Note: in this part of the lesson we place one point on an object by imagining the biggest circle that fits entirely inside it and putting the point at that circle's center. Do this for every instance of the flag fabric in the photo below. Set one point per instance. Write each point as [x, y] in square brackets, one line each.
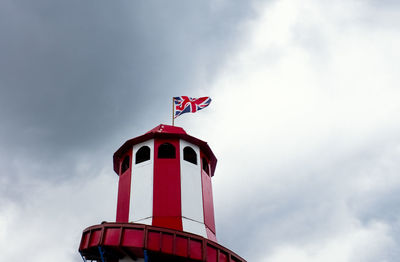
[184, 104]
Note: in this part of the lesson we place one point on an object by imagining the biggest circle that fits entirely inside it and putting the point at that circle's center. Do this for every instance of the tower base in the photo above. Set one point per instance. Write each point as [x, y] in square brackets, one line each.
[126, 242]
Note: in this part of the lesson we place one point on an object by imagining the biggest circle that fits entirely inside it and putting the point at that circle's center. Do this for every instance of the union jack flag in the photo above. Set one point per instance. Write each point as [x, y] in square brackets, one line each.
[184, 104]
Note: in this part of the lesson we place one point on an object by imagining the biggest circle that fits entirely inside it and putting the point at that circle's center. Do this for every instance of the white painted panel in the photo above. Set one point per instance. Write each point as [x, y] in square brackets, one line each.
[191, 191]
[146, 221]
[141, 206]
[194, 227]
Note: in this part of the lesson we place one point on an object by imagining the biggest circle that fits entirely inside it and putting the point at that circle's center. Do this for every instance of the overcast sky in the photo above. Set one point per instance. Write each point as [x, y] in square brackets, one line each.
[305, 119]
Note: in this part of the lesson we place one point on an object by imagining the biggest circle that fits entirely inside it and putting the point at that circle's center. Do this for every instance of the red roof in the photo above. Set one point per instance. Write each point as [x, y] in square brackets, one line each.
[165, 131]
[168, 129]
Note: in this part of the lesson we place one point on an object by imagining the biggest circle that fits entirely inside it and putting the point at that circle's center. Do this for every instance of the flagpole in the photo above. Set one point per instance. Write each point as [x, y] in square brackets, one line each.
[173, 111]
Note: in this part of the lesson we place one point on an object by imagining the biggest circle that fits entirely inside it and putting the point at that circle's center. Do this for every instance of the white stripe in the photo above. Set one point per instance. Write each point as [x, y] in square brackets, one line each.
[191, 193]
[194, 227]
[141, 202]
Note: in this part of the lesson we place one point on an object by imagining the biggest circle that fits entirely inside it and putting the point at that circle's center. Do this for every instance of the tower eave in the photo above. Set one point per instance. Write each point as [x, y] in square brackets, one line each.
[165, 131]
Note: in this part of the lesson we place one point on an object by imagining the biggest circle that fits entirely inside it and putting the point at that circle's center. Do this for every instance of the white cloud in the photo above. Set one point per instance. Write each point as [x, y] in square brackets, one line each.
[48, 224]
[358, 244]
[305, 127]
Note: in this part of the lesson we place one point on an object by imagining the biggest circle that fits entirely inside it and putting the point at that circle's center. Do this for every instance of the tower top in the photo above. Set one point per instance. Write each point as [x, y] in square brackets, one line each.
[165, 209]
[165, 131]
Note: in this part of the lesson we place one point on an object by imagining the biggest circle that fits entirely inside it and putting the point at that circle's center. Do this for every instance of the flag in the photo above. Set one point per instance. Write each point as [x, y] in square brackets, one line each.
[184, 104]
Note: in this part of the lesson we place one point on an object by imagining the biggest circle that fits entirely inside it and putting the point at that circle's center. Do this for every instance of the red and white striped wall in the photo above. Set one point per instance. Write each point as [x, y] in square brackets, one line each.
[171, 191]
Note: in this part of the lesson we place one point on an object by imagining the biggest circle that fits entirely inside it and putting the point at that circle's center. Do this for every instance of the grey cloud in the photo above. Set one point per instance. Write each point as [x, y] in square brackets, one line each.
[78, 72]
[78, 78]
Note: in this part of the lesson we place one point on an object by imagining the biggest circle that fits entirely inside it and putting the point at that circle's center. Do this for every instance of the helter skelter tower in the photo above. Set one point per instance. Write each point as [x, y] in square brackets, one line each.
[165, 206]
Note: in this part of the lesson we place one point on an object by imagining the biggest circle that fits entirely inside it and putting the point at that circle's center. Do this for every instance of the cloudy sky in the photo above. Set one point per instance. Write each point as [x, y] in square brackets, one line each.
[305, 119]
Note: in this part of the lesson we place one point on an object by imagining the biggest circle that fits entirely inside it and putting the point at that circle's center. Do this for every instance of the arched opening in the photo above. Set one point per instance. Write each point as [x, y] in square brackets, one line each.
[166, 150]
[205, 165]
[125, 164]
[190, 155]
[142, 155]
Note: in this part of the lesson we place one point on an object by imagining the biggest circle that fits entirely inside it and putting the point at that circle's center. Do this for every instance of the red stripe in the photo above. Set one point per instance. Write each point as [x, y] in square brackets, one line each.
[167, 210]
[211, 235]
[124, 191]
[208, 204]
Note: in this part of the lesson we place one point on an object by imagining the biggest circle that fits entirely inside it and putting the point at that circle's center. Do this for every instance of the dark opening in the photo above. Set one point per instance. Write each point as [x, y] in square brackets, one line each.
[190, 155]
[125, 164]
[143, 154]
[166, 150]
[205, 166]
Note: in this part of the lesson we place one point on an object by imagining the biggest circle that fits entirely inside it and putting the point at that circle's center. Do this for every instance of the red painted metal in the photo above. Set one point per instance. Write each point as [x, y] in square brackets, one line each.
[124, 191]
[208, 205]
[211, 235]
[165, 132]
[167, 210]
[129, 239]
[164, 240]
[167, 129]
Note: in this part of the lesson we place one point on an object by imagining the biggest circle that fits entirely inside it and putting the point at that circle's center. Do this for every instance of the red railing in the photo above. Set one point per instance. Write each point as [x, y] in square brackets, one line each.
[129, 239]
